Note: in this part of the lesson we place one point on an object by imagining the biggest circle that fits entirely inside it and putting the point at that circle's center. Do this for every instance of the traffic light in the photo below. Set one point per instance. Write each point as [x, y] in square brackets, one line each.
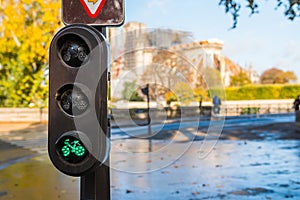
[145, 90]
[78, 140]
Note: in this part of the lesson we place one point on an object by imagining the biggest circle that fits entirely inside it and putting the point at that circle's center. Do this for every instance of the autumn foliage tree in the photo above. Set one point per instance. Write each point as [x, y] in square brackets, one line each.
[167, 70]
[277, 76]
[26, 30]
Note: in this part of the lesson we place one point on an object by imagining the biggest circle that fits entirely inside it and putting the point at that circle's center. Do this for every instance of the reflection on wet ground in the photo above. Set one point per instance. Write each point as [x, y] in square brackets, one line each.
[36, 179]
[233, 170]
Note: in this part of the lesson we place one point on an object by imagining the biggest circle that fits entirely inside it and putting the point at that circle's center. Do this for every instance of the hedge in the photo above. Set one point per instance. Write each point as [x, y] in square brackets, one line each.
[255, 92]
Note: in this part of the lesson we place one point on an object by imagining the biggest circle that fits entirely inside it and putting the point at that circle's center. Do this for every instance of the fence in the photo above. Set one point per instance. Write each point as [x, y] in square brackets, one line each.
[229, 108]
[257, 107]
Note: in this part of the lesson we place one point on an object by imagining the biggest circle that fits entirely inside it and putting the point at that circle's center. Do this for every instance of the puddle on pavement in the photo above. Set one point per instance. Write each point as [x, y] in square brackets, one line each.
[233, 170]
[36, 179]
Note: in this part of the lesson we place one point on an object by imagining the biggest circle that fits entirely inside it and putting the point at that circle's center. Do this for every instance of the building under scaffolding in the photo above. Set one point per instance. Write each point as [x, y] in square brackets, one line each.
[137, 50]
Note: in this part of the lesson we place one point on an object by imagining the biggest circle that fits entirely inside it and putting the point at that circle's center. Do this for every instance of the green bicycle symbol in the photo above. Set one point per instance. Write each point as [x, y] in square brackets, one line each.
[75, 148]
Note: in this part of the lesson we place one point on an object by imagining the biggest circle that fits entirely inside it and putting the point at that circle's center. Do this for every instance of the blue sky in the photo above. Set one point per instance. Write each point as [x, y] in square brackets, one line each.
[265, 40]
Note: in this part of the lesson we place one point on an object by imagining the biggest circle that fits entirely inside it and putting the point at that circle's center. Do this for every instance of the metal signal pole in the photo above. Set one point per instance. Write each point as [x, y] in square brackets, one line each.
[96, 185]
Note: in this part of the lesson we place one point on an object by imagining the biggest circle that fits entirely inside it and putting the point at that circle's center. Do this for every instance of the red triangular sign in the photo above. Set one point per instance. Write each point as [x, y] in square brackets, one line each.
[93, 7]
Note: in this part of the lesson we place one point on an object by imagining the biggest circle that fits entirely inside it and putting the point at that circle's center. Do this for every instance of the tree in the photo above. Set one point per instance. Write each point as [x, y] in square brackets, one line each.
[211, 78]
[167, 69]
[130, 92]
[240, 79]
[26, 30]
[170, 97]
[184, 93]
[277, 76]
[292, 8]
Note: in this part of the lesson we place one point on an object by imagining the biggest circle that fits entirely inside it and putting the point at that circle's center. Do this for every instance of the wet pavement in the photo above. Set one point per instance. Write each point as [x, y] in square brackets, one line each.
[35, 178]
[233, 170]
[264, 166]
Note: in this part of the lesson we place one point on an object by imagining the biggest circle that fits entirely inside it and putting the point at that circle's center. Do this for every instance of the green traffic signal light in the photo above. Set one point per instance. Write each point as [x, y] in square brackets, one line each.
[71, 149]
[76, 148]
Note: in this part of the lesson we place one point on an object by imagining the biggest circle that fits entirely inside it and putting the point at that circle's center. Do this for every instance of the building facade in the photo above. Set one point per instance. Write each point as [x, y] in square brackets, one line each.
[136, 49]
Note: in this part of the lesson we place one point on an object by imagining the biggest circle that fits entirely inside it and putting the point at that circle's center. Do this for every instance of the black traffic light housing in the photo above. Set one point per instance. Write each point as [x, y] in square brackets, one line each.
[145, 90]
[78, 140]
